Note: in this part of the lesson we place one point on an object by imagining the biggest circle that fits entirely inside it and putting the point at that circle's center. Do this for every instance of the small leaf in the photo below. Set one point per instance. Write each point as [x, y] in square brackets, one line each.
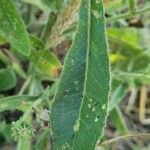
[12, 27]
[35, 87]
[44, 60]
[79, 109]
[7, 79]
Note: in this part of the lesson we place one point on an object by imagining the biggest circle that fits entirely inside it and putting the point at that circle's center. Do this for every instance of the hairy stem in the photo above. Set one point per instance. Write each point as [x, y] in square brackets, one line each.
[64, 20]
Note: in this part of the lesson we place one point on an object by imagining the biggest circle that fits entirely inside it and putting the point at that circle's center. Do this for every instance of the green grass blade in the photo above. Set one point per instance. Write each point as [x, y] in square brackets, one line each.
[119, 121]
[79, 109]
[118, 94]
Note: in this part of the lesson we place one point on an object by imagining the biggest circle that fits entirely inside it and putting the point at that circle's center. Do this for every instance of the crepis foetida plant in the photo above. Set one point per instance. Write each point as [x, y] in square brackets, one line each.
[79, 109]
[55, 74]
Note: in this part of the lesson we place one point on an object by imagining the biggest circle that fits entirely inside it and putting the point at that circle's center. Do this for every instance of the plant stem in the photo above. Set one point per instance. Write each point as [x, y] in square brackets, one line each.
[128, 14]
[29, 14]
[18, 69]
[48, 28]
[4, 58]
[64, 20]
[25, 85]
[125, 137]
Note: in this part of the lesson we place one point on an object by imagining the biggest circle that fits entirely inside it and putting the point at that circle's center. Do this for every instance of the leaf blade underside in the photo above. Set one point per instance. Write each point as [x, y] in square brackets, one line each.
[79, 108]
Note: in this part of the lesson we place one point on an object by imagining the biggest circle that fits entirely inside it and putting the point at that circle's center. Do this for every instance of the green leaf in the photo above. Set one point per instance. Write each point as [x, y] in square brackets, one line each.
[141, 62]
[7, 79]
[36, 43]
[79, 109]
[137, 77]
[35, 87]
[44, 60]
[118, 94]
[116, 115]
[136, 38]
[130, 47]
[12, 27]
[130, 36]
[5, 131]
[16, 102]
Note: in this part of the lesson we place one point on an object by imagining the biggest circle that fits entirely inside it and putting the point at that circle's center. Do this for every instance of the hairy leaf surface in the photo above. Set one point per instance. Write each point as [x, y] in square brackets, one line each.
[79, 109]
[12, 27]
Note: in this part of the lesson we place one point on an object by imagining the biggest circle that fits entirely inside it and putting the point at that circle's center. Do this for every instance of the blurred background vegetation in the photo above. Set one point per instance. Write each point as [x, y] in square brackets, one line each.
[27, 84]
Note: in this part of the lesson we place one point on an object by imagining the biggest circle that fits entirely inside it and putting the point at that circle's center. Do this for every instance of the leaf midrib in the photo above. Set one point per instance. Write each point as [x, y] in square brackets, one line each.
[87, 57]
